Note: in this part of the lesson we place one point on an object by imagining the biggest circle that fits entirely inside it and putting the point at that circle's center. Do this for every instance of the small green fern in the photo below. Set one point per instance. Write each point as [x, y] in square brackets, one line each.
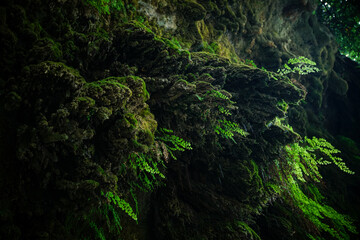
[308, 154]
[121, 203]
[322, 148]
[300, 65]
[172, 142]
[316, 211]
[227, 129]
[302, 162]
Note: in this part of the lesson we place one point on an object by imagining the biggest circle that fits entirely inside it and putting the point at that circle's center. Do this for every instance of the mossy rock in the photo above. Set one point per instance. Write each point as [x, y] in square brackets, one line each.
[45, 49]
[192, 10]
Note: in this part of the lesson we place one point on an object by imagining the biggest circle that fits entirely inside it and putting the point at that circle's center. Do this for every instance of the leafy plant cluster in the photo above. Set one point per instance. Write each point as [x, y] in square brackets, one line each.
[343, 19]
[281, 123]
[142, 171]
[171, 142]
[282, 105]
[121, 203]
[146, 169]
[228, 129]
[300, 65]
[250, 63]
[301, 162]
[323, 216]
[218, 94]
[210, 48]
[309, 153]
[224, 127]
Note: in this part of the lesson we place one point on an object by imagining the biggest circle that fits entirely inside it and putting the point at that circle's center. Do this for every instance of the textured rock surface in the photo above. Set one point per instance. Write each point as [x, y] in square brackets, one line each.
[81, 92]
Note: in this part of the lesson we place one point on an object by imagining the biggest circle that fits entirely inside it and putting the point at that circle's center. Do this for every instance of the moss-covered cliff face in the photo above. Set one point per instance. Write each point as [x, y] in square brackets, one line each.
[150, 120]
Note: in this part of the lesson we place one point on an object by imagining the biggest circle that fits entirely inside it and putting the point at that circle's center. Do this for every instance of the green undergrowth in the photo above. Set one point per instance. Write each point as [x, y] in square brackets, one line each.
[218, 111]
[296, 174]
[227, 129]
[171, 43]
[299, 65]
[141, 173]
[170, 143]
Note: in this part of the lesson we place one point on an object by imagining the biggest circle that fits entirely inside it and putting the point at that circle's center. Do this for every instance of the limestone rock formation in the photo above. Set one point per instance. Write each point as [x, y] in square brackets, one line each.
[97, 110]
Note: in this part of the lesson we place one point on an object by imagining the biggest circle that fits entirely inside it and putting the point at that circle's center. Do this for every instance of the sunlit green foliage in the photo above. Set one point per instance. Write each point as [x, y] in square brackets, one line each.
[311, 237]
[321, 215]
[122, 204]
[300, 65]
[224, 111]
[302, 161]
[282, 105]
[250, 63]
[343, 19]
[309, 153]
[325, 149]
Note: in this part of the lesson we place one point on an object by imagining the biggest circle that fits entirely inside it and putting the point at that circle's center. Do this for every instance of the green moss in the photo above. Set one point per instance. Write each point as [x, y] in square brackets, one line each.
[316, 211]
[116, 81]
[100, 170]
[57, 66]
[46, 49]
[136, 84]
[130, 117]
[70, 50]
[141, 25]
[148, 126]
[315, 91]
[209, 47]
[91, 183]
[88, 100]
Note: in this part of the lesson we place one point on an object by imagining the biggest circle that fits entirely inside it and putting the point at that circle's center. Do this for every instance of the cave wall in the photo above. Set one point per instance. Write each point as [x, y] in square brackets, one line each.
[81, 91]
